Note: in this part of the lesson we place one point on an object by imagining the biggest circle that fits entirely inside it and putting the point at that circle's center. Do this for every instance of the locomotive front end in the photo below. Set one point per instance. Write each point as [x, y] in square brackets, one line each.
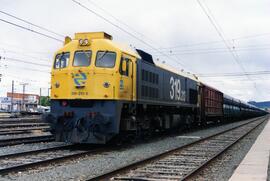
[84, 90]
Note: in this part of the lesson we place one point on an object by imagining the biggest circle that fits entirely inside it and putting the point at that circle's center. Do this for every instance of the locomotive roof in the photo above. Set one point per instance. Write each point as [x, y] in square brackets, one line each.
[93, 37]
[171, 69]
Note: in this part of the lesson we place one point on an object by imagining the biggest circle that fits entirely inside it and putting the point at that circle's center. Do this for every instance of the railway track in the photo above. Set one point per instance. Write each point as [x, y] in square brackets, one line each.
[28, 139]
[16, 126]
[24, 130]
[183, 162]
[23, 119]
[35, 158]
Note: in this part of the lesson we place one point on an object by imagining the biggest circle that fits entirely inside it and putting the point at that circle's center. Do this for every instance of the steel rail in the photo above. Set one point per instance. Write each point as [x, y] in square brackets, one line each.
[45, 162]
[137, 164]
[30, 139]
[203, 165]
[20, 121]
[43, 150]
[23, 130]
[2, 126]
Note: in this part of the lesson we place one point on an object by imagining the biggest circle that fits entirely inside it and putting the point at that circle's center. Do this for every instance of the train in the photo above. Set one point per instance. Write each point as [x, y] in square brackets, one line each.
[102, 90]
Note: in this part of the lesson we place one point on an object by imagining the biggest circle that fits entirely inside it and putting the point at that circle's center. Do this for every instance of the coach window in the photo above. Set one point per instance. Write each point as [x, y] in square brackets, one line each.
[82, 58]
[127, 66]
[105, 59]
[61, 60]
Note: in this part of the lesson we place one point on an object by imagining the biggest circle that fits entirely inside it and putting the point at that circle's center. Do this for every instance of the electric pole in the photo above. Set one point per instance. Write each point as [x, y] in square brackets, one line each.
[39, 96]
[49, 92]
[12, 92]
[23, 96]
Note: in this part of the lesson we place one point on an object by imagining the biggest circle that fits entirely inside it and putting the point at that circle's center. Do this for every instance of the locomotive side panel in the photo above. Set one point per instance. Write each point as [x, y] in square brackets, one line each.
[159, 86]
[149, 82]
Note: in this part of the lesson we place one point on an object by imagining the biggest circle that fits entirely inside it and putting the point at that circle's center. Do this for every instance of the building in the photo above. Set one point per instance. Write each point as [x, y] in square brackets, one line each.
[22, 102]
[5, 103]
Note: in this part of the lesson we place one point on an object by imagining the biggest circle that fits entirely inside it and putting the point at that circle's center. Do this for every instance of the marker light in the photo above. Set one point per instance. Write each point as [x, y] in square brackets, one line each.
[85, 42]
[81, 41]
[64, 103]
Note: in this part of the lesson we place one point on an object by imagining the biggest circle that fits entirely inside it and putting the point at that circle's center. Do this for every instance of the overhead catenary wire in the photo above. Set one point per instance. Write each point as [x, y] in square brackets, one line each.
[222, 48]
[234, 74]
[121, 21]
[126, 31]
[30, 69]
[26, 79]
[117, 19]
[31, 30]
[23, 68]
[24, 54]
[220, 33]
[4, 44]
[217, 51]
[171, 48]
[23, 61]
[30, 23]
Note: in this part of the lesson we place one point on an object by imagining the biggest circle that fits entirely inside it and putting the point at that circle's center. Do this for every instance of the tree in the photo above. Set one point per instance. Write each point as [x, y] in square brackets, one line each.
[45, 101]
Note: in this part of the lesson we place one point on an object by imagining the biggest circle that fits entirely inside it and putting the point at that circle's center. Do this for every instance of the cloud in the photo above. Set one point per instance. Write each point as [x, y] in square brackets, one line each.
[162, 23]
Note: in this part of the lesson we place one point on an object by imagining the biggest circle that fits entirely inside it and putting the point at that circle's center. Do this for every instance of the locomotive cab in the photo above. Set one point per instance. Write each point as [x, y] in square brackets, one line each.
[91, 67]
[92, 77]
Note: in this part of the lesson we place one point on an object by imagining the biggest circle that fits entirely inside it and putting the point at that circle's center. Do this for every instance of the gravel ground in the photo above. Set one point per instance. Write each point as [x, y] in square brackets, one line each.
[222, 168]
[90, 166]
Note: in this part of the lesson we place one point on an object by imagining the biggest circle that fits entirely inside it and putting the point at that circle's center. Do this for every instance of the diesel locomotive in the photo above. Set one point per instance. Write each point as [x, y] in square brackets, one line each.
[101, 90]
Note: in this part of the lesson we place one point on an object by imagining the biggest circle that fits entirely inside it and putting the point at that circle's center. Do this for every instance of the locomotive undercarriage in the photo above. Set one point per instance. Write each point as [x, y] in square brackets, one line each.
[142, 121]
[99, 122]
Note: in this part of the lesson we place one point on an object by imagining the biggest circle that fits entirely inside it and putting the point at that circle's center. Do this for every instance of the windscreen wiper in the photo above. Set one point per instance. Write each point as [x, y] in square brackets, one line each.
[103, 55]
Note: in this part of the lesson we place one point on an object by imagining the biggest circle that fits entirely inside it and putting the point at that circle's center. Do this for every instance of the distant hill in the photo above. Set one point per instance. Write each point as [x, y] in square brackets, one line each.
[265, 104]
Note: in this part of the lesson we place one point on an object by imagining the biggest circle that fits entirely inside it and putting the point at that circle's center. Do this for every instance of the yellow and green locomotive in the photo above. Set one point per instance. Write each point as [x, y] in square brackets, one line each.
[101, 89]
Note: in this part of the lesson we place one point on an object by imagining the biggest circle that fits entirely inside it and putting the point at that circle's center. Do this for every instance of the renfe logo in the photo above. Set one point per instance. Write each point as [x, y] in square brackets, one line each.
[80, 79]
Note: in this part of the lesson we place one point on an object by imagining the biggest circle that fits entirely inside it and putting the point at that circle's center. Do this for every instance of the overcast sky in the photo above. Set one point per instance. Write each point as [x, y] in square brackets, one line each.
[178, 28]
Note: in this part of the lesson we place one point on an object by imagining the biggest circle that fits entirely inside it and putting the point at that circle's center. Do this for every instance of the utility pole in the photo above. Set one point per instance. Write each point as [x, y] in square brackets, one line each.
[23, 97]
[39, 96]
[49, 92]
[12, 92]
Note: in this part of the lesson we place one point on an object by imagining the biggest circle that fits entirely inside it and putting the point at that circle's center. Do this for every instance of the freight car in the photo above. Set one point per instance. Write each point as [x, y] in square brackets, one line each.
[211, 104]
[102, 90]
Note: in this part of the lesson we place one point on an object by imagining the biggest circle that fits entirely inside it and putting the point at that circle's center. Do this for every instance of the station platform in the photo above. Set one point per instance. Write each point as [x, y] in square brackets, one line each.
[255, 164]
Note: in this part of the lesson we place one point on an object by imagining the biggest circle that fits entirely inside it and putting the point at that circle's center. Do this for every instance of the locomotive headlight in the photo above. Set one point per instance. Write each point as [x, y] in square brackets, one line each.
[85, 42]
[81, 42]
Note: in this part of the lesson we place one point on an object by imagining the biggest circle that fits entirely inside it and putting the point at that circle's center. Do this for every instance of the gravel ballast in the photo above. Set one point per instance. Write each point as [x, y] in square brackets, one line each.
[222, 168]
[90, 166]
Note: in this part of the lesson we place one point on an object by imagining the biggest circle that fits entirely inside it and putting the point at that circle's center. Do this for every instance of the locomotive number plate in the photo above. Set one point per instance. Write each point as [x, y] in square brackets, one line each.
[79, 93]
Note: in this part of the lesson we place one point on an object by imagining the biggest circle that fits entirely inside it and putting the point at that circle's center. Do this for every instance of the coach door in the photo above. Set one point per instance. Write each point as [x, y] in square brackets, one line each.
[126, 79]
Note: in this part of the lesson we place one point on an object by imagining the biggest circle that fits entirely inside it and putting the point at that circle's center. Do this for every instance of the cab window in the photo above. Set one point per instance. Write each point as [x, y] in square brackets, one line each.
[105, 59]
[82, 58]
[61, 60]
[127, 69]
